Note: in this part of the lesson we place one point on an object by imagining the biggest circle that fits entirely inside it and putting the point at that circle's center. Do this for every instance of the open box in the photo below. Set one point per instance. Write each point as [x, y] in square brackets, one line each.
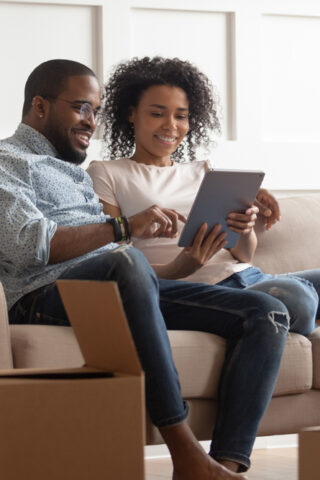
[309, 458]
[82, 423]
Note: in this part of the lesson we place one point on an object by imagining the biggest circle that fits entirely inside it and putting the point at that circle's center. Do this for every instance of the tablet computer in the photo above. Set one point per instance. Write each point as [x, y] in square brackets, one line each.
[220, 193]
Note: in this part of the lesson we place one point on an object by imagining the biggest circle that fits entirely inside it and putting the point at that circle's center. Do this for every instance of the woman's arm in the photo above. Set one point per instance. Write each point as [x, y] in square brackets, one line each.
[190, 259]
[111, 210]
[244, 225]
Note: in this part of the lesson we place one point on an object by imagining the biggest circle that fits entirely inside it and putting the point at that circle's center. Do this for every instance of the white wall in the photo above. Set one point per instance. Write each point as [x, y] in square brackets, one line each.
[261, 54]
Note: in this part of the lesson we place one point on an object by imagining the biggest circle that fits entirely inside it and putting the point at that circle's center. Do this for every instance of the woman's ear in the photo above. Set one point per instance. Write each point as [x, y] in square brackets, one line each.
[131, 115]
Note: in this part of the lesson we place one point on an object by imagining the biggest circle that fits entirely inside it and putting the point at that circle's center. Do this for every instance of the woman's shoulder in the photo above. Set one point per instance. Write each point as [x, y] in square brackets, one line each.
[104, 166]
[197, 163]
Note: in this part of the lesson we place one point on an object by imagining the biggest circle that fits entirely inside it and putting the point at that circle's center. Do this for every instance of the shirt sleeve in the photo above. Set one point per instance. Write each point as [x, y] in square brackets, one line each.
[25, 234]
[104, 183]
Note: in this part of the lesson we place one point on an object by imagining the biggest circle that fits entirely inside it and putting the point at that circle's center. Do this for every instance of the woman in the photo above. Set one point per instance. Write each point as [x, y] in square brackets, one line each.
[156, 112]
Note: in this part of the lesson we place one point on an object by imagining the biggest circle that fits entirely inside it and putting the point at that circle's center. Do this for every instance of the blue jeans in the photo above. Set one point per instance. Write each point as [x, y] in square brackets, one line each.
[299, 291]
[254, 323]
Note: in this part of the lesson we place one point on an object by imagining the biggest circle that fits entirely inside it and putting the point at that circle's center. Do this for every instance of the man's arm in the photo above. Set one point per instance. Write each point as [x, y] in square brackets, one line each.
[71, 242]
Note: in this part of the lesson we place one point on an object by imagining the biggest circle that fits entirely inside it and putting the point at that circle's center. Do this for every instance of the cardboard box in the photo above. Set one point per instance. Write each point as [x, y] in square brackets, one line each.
[84, 423]
[309, 454]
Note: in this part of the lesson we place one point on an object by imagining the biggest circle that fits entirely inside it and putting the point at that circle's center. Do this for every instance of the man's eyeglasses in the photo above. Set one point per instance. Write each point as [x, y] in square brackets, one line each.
[85, 109]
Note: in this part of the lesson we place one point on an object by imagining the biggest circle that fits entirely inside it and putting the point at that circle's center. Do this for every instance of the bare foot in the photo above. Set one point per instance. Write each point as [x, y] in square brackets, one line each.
[205, 469]
[190, 461]
[233, 466]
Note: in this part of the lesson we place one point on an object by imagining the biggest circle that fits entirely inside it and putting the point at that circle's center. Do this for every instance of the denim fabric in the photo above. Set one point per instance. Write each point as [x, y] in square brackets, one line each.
[299, 291]
[311, 276]
[254, 323]
[138, 288]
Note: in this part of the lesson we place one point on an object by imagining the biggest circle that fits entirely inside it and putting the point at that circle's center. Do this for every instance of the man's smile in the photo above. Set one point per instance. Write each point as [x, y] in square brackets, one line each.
[83, 137]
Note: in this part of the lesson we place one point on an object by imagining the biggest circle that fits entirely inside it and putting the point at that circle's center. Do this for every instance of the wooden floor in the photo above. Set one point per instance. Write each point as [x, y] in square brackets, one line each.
[267, 464]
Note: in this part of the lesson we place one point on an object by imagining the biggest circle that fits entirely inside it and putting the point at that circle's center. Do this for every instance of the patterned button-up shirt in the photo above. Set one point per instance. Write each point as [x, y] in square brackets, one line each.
[38, 192]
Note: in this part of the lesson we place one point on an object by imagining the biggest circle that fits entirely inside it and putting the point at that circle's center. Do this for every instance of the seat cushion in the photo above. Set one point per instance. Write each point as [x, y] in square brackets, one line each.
[295, 374]
[199, 358]
[44, 346]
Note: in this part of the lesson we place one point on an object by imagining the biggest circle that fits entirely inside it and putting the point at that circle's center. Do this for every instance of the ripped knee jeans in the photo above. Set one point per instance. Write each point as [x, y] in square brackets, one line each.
[298, 291]
[255, 326]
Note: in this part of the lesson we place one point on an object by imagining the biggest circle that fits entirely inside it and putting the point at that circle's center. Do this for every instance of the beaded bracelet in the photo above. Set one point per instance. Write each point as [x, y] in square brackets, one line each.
[120, 228]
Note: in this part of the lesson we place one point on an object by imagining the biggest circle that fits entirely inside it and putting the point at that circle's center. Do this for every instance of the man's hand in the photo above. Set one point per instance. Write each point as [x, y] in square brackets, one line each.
[155, 222]
[268, 208]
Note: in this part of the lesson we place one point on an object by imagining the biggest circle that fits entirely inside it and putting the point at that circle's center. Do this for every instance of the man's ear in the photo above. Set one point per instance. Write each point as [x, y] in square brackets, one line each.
[39, 106]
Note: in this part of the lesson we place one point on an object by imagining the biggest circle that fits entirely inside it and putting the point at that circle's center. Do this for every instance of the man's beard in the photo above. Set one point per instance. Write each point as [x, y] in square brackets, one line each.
[69, 154]
[64, 148]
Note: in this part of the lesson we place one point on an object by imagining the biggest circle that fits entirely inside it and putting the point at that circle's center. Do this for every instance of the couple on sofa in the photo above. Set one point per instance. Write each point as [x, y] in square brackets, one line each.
[155, 113]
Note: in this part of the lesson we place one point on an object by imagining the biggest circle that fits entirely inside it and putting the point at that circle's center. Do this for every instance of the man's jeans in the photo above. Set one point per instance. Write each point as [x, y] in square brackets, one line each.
[254, 323]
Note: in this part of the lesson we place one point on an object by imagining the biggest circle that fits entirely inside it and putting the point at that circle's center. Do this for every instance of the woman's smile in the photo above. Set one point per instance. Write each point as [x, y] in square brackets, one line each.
[160, 121]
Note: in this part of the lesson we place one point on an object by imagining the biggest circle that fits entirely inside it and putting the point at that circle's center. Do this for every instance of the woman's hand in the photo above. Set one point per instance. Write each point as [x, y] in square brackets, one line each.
[192, 258]
[268, 208]
[243, 223]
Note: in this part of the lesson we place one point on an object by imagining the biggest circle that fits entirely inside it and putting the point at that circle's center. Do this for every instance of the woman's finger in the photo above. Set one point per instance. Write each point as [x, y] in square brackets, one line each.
[198, 239]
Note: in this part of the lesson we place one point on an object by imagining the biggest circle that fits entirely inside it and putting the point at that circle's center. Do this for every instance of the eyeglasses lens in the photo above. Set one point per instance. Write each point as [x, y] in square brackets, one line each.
[86, 111]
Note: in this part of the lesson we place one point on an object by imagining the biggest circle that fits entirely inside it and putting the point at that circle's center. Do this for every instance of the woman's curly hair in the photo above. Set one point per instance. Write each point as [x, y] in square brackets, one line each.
[127, 83]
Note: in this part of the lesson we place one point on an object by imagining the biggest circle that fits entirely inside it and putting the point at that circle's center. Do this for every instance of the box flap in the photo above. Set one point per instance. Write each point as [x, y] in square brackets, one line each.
[53, 373]
[96, 314]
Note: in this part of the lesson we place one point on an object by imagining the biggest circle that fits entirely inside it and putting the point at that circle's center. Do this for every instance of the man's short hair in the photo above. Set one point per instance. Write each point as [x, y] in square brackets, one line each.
[49, 79]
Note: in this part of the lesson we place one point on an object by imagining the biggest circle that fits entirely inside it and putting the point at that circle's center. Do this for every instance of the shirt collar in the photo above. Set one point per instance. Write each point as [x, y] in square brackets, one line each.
[34, 140]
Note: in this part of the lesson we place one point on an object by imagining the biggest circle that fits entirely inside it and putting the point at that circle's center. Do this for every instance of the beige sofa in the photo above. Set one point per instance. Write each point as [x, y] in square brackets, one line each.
[291, 245]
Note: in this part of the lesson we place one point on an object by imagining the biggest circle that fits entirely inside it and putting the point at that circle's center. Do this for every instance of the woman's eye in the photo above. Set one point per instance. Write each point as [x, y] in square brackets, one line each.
[156, 114]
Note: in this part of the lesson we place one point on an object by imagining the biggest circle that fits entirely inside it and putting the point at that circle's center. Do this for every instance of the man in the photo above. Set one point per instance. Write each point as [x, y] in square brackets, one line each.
[52, 226]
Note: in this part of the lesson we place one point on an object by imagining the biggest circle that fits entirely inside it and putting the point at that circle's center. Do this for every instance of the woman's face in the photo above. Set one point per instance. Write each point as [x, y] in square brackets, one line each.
[160, 123]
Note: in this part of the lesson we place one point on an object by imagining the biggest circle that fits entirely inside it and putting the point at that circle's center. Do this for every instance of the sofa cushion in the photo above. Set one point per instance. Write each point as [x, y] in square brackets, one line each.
[199, 358]
[44, 346]
[293, 243]
[295, 375]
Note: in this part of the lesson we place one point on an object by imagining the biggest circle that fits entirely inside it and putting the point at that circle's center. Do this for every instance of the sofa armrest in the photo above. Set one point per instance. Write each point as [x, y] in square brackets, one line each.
[315, 340]
[5, 343]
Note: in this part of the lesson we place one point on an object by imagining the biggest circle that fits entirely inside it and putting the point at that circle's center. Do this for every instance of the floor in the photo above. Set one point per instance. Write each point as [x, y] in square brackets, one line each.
[267, 464]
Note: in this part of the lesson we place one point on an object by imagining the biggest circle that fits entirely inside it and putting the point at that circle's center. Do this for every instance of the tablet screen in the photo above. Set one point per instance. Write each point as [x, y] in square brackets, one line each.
[220, 193]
